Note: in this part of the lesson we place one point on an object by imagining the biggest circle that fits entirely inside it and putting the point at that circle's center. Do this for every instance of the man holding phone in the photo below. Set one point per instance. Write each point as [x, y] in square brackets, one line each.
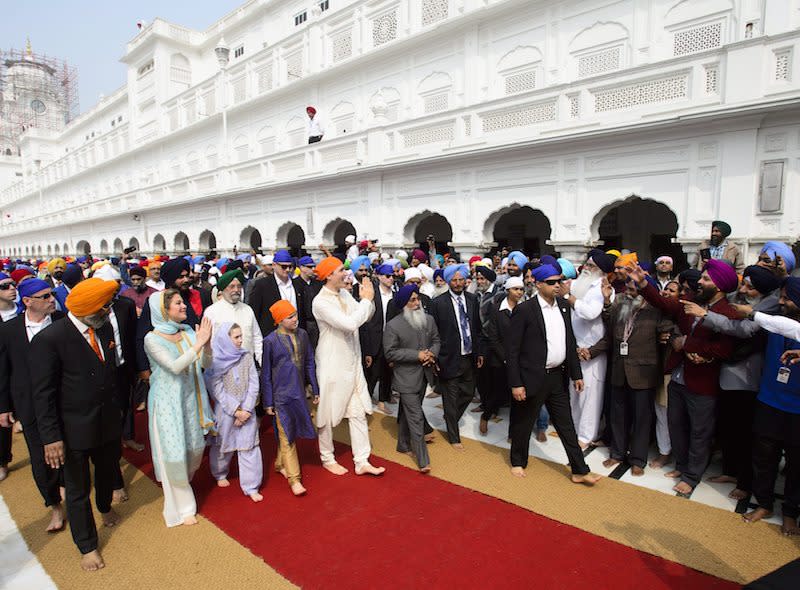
[717, 247]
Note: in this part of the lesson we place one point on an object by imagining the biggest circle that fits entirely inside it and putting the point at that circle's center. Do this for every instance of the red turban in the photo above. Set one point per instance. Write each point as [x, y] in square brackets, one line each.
[281, 310]
[90, 296]
[327, 266]
[20, 274]
[311, 110]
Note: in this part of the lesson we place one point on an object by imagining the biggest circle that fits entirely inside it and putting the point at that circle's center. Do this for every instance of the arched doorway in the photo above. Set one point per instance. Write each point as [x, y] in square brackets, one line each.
[336, 231]
[103, 247]
[83, 248]
[519, 228]
[250, 239]
[159, 244]
[292, 237]
[426, 224]
[134, 243]
[643, 226]
[181, 243]
[208, 241]
[118, 246]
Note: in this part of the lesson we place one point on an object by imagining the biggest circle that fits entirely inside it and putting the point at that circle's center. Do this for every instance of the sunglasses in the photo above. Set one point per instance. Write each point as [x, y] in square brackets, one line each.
[285, 266]
[7, 286]
[43, 296]
[552, 282]
[308, 266]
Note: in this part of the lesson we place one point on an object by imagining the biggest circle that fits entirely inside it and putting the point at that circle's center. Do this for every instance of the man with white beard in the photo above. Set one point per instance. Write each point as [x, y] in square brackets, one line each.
[411, 343]
[585, 296]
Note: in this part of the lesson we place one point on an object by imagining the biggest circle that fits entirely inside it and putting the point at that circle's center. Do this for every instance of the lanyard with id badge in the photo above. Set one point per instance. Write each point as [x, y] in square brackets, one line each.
[784, 372]
[627, 331]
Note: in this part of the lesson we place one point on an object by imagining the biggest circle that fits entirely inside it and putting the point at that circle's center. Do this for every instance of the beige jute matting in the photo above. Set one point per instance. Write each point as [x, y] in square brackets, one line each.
[707, 539]
[140, 552]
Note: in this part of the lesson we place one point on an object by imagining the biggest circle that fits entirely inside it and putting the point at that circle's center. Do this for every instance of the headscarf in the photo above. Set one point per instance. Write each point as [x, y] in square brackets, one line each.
[568, 269]
[225, 354]
[158, 316]
[763, 280]
[723, 275]
[603, 260]
[450, 271]
[229, 277]
[281, 310]
[724, 228]
[518, 258]
[403, 295]
[792, 287]
[56, 262]
[90, 296]
[325, 267]
[773, 249]
[545, 271]
[171, 270]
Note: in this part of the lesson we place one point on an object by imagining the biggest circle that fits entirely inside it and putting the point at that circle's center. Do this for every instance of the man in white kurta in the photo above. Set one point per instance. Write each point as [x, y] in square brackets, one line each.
[586, 299]
[230, 308]
[343, 389]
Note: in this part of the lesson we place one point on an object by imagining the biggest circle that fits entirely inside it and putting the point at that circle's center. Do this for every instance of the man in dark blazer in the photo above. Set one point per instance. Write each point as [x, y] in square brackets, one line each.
[76, 407]
[541, 356]
[16, 396]
[376, 368]
[457, 319]
[273, 288]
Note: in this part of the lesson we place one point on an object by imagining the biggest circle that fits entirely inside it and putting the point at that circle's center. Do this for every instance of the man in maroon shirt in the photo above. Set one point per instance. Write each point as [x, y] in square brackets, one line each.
[139, 291]
[695, 369]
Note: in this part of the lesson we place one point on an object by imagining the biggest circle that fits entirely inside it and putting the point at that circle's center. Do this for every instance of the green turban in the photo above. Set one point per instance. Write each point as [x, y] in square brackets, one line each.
[229, 277]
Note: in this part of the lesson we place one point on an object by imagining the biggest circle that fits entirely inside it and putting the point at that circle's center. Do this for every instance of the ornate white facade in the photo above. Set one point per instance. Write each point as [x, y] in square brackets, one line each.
[472, 110]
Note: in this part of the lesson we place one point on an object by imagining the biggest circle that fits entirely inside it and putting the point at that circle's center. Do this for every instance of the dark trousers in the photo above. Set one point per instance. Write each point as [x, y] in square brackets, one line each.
[128, 407]
[48, 480]
[735, 427]
[483, 381]
[691, 419]
[5, 446]
[498, 392]
[411, 424]
[456, 395]
[631, 420]
[766, 459]
[553, 393]
[379, 373]
[78, 483]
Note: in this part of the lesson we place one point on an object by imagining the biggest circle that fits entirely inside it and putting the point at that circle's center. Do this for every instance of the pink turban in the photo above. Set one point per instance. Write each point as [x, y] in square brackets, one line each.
[723, 275]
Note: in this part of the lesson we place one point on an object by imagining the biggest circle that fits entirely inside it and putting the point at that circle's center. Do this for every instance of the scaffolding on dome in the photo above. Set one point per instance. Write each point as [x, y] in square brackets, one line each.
[36, 92]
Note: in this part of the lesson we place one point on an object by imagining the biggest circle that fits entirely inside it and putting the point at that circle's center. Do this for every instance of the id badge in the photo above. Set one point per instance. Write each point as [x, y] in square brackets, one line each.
[783, 374]
[623, 349]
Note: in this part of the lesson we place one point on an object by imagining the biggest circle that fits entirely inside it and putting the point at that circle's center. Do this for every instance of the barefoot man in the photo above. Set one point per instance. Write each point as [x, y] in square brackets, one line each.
[343, 389]
[74, 381]
[542, 355]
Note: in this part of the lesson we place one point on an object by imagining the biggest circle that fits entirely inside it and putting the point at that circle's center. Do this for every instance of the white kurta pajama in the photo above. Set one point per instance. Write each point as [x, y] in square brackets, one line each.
[343, 389]
[589, 329]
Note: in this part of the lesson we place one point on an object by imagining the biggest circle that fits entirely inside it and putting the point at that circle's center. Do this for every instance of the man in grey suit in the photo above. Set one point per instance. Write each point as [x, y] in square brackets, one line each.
[411, 345]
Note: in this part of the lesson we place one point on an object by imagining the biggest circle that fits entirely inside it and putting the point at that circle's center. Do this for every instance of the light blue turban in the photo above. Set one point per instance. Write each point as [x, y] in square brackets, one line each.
[780, 249]
[450, 271]
[360, 262]
[567, 268]
[518, 258]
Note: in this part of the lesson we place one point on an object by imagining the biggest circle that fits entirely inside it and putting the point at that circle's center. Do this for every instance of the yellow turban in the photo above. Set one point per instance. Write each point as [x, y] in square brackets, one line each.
[616, 253]
[627, 260]
[99, 264]
[90, 296]
[54, 263]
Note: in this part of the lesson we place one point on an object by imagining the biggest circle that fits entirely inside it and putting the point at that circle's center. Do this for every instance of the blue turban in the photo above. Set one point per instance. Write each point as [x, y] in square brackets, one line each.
[449, 272]
[438, 273]
[198, 260]
[792, 287]
[773, 249]
[32, 286]
[545, 271]
[306, 261]
[385, 270]
[221, 262]
[244, 257]
[567, 268]
[404, 294]
[547, 259]
[518, 258]
[646, 266]
[72, 275]
[4, 276]
[360, 262]
[282, 257]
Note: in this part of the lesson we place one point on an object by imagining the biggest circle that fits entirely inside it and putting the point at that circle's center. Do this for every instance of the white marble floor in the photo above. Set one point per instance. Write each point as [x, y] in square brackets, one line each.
[19, 568]
[711, 494]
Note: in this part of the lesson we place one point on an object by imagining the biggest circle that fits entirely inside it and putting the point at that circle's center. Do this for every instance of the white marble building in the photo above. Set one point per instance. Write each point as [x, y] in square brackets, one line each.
[541, 123]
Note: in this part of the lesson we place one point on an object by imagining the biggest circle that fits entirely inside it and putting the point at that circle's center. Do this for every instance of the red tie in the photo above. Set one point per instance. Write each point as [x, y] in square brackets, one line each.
[95, 346]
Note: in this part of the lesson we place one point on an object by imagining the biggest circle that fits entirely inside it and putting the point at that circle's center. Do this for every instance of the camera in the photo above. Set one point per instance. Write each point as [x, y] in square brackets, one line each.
[430, 238]
[129, 249]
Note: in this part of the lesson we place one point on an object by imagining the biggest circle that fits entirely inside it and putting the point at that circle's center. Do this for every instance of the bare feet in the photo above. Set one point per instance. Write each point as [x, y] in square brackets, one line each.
[484, 427]
[674, 474]
[432, 394]
[382, 407]
[518, 471]
[583, 445]
[282, 471]
[789, 527]
[599, 443]
[429, 438]
[457, 446]
[369, 469]
[660, 461]
[335, 468]
[92, 561]
[133, 445]
[223, 483]
[120, 495]
[110, 518]
[757, 515]
[722, 479]
[17, 427]
[426, 469]
[298, 489]
[637, 471]
[541, 436]
[738, 494]
[476, 409]
[682, 488]
[3, 472]
[610, 462]
[256, 497]
[589, 479]
[56, 520]
[190, 520]
[141, 407]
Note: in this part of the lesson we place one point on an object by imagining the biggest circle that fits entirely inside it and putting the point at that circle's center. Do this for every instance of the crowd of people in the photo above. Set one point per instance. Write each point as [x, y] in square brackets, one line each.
[617, 352]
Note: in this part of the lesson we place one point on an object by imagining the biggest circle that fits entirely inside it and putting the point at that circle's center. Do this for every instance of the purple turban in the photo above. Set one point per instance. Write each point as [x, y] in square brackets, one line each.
[31, 287]
[540, 273]
[723, 275]
[404, 294]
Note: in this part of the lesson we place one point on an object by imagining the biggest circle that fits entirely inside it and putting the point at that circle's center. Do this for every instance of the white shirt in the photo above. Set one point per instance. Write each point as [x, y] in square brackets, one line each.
[158, 286]
[385, 299]
[120, 360]
[555, 332]
[287, 290]
[315, 128]
[243, 315]
[777, 324]
[587, 317]
[8, 314]
[84, 330]
[32, 328]
[505, 305]
[455, 299]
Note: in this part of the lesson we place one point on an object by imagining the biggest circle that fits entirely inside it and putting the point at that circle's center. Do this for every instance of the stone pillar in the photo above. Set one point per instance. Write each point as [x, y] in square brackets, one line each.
[575, 252]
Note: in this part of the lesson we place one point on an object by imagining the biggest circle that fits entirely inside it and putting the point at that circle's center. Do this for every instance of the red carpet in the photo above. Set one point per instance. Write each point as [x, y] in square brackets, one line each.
[406, 530]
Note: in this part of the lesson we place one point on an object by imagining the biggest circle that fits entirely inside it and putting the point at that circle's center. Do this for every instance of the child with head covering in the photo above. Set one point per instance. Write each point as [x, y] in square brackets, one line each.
[232, 383]
[287, 369]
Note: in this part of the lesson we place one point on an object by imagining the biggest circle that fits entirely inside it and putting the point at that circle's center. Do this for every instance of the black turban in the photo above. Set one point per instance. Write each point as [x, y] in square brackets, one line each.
[487, 272]
[724, 228]
[171, 271]
[691, 277]
[72, 275]
[762, 279]
[604, 262]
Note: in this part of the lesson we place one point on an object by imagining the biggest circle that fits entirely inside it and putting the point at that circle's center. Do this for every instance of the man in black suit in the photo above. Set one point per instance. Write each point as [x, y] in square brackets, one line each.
[76, 407]
[376, 367]
[541, 354]
[280, 285]
[457, 319]
[16, 399]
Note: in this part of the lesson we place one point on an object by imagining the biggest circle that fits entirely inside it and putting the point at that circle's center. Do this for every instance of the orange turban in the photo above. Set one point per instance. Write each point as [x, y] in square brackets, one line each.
[627, 260]
[281, 310]
[327, 266]
[90, 296]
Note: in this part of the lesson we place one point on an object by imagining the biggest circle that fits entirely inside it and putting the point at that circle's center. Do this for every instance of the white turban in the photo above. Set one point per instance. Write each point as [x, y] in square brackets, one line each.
[413, 273]
[512, 282]
[107, 273]
[401, 254]
[427, 272]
